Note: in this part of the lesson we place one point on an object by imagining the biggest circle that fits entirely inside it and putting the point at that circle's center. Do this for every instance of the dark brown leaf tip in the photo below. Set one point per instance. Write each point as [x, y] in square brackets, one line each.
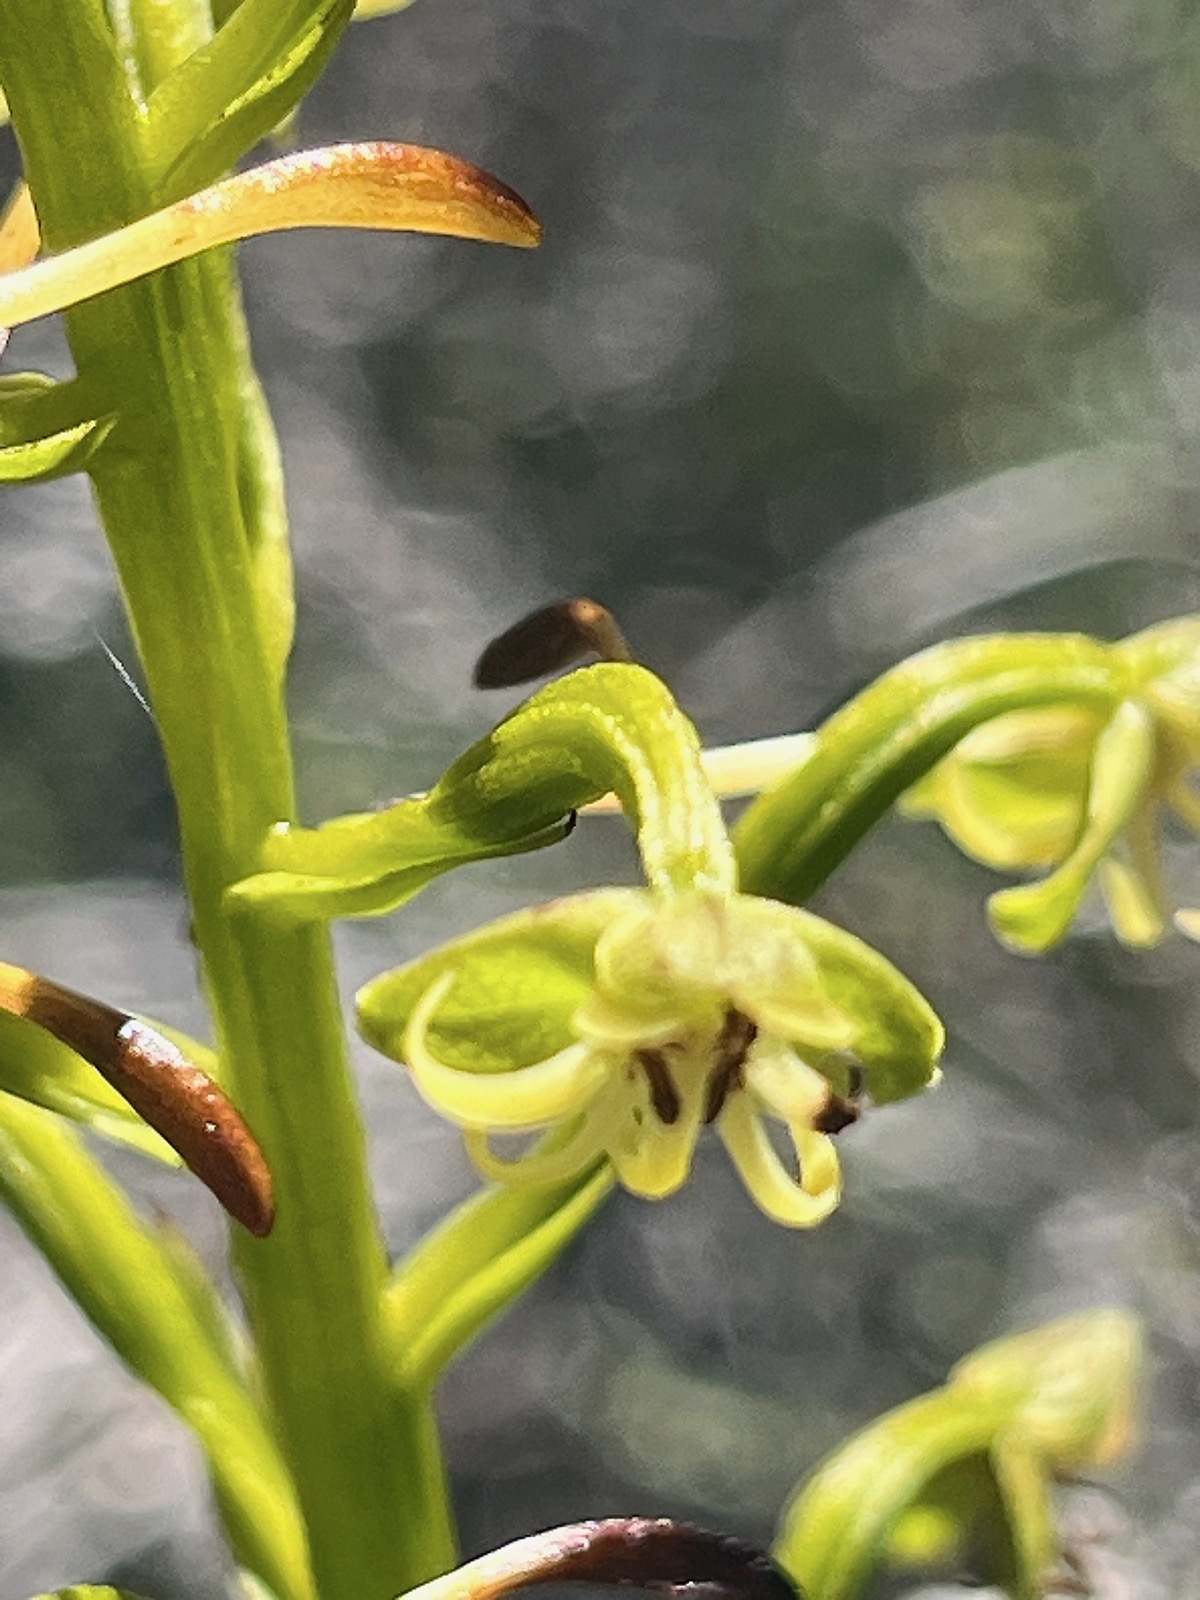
[549, 639]
[179, 1101]
[662, 1555]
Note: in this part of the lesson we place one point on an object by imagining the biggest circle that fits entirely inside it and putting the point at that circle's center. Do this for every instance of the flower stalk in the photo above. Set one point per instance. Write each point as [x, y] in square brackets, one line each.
[190, 500]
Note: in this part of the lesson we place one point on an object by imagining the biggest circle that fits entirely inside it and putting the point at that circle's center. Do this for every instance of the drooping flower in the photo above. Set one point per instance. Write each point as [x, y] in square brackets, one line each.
[1080, 790]
[623, 1022]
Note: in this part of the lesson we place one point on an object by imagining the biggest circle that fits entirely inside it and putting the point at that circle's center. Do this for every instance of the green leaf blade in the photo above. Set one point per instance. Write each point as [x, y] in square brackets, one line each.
[255, 110]
[225, 97]
[477, 1262]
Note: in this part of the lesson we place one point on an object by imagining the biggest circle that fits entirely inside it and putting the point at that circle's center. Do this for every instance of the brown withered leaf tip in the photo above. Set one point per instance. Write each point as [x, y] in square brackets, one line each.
[549, 639]
[665, 1556]
[179, 1101]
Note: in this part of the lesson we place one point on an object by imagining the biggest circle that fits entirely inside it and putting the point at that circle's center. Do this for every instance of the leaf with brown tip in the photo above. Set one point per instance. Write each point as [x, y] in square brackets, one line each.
[395, 187]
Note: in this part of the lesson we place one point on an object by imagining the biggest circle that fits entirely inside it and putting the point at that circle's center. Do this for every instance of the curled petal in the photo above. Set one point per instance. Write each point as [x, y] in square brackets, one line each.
[796, 1204]
[527, 1097]
[540, 1165]
[390, 186]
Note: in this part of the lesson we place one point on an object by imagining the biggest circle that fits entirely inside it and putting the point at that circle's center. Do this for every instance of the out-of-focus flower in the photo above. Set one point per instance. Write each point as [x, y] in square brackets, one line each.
[969, 1470]
[625, 1021]
[1079, 790]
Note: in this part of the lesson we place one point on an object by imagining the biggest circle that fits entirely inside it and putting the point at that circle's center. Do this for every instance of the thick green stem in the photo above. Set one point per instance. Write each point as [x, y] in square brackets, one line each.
[187, 497]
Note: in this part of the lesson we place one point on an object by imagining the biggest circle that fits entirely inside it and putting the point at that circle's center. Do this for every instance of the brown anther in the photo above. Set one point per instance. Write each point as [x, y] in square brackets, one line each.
[842, 1110]
[732, 1047]
[664, 1096]
[837, 1113]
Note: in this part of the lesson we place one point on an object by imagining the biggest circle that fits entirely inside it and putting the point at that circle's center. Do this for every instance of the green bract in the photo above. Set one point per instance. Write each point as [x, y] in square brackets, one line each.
[627, 1020]
[609, 727]
[1078, 789]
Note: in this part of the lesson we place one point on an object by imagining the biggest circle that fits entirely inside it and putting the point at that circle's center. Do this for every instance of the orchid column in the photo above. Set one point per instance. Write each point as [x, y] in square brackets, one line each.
[117, 120]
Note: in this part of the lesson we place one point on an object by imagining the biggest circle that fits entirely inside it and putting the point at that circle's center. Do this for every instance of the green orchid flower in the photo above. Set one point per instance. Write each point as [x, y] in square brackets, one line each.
[1079, 789]
[625, 1021]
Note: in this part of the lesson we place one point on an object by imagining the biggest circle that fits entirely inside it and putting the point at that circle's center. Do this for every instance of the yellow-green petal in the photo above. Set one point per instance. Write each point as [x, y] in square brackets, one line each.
[550, 1161]
[650, 1157]
[527, 1097]
[1014, 790]
[795, 1202]
[787, 1086]
[1032, 917]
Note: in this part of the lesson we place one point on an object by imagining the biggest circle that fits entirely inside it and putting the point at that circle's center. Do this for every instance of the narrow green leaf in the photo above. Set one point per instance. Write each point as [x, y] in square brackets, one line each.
[366, 9]
[241, 116]
[42, 434]
[128, 1284]
[476, 1263]
[39, 460]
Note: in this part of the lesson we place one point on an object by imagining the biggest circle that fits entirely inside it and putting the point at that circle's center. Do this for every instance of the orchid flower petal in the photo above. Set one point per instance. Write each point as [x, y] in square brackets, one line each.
[773, 1189]
[1134, 909]
[651, 1157]
[789, 1088]
[527, 1097]
[1012, 792]
[1133, 888]
[539, 1165]
[1034, 916]
[376, 185]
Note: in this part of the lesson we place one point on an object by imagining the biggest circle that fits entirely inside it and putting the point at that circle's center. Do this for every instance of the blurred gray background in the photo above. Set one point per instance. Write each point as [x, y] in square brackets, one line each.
[858, 323]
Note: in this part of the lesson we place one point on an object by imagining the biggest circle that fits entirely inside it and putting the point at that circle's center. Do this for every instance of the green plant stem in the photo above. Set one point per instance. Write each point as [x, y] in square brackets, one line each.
[868, 753]
[182, 496]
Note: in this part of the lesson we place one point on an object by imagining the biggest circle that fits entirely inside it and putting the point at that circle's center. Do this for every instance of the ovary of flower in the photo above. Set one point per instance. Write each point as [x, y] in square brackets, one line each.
[665, 1048]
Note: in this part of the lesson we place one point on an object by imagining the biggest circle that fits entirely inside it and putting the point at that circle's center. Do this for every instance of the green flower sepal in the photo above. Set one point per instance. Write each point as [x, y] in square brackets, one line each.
[1079, 790]
[624, 1021]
